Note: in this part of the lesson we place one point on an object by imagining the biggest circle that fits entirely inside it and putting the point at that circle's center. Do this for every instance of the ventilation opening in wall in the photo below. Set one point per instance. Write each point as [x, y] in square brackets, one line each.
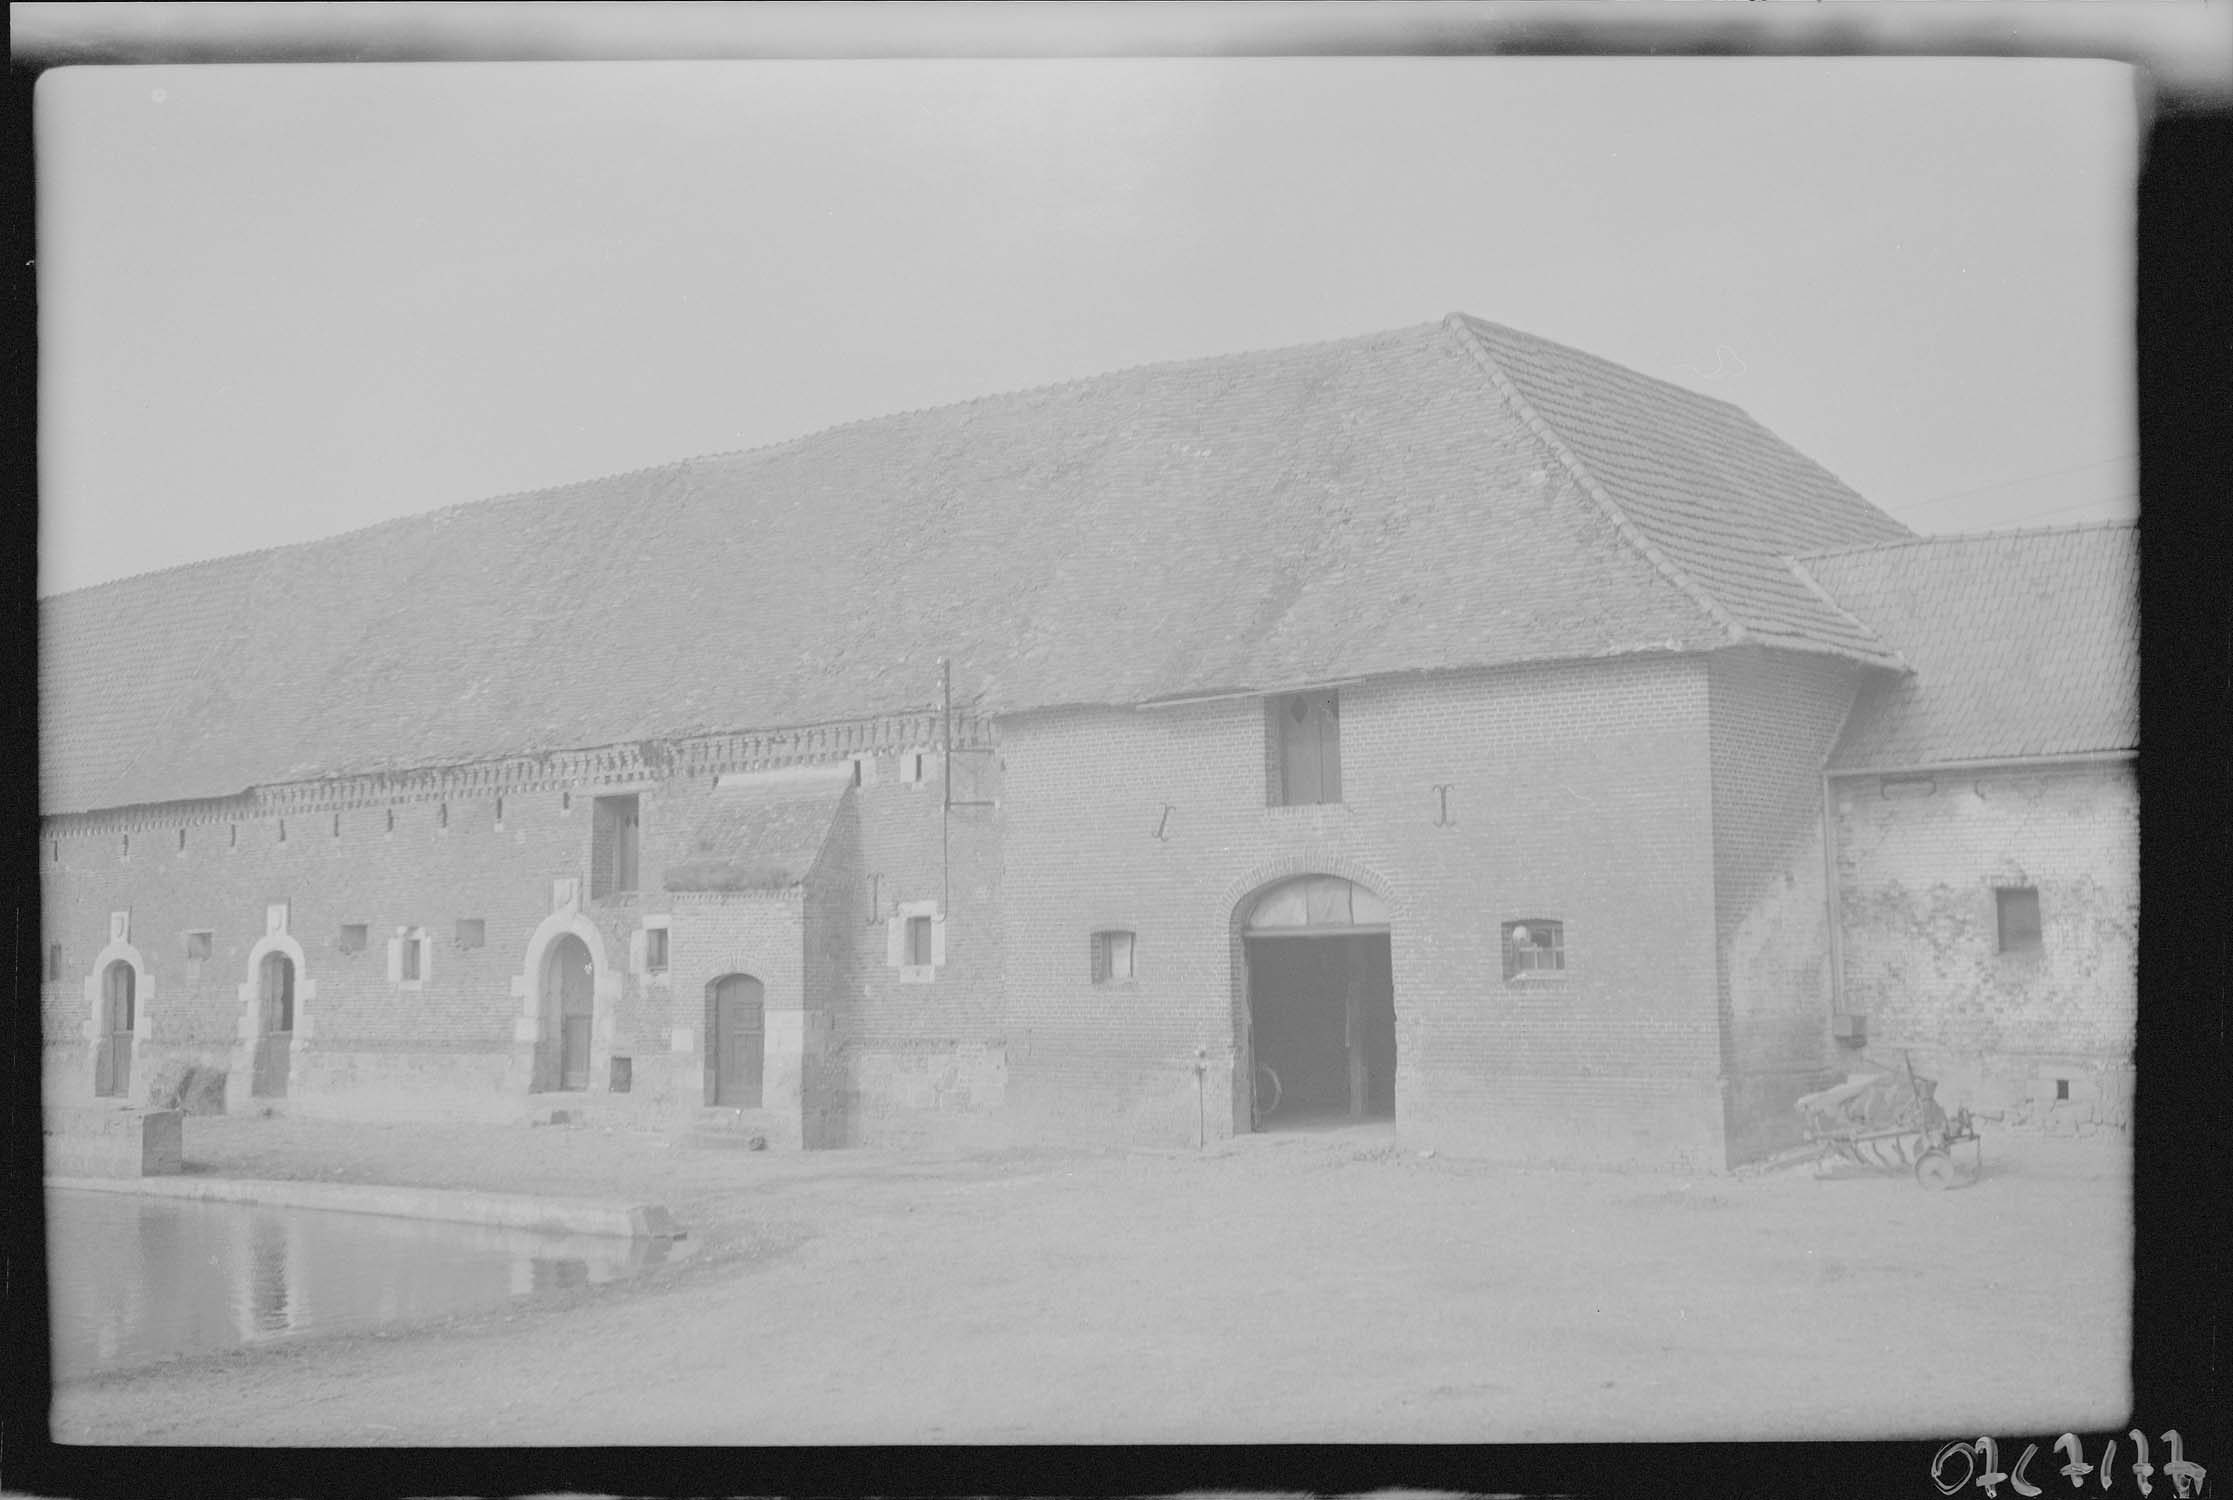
[2062, 1090]
[127, 846]
[442, 816]
[500, 812]
[282, 830]
[337, 825]
[182, 838]
[472, 932]
[391, 820]
[54, 962]
[2016, 910]
[198, 946]
[353, 937]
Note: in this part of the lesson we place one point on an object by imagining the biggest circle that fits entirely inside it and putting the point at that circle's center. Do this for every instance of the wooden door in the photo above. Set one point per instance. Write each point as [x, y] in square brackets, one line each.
[112, 1067]
[576, 1010]
[739, 1042]
[275, 1036]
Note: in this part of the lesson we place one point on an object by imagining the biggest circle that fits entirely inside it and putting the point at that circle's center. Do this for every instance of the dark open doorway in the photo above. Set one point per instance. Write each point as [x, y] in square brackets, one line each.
[1321, 1012]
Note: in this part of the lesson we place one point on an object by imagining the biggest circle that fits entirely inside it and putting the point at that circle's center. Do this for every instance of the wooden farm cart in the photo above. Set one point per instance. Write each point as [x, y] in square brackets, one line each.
[1890, 1120]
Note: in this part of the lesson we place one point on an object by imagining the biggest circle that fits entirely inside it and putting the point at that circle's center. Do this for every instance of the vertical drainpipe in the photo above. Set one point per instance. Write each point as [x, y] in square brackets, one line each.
[1830, 893]
[946, 800]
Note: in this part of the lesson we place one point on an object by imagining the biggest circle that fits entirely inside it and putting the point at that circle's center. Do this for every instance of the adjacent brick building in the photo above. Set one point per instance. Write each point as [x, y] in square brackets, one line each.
[1433, 724]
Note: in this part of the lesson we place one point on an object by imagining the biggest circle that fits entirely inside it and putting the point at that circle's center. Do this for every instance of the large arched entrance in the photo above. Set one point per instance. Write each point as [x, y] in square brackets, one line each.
[275, 1026]
[112, 1060]
[569, 991]
[736, 1021]
[1319, 1009]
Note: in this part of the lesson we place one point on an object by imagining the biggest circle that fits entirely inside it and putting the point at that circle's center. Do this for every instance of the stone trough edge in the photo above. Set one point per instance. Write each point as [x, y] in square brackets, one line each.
[452, 1205]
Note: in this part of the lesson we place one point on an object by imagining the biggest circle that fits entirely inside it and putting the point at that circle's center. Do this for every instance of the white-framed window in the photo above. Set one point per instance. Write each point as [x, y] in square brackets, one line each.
[409, 956]
[915, 941]
[1534, 948]
[1112, 956]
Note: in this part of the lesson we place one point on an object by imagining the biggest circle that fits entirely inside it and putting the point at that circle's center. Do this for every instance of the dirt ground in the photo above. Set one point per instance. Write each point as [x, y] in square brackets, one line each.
[1299, 1288]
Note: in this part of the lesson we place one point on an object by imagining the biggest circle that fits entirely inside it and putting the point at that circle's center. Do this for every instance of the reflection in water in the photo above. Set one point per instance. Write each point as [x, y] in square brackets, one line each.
[138, 1279]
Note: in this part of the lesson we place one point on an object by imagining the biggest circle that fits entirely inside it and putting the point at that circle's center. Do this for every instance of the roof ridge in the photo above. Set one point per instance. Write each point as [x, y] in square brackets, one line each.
[1927, 539]
[775, 446]
[1459, 326]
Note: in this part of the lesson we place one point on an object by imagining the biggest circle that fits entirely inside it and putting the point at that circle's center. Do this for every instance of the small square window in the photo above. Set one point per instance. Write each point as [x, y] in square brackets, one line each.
[352, 938]
[1534, 947]
[472, 932]
[655, 949]
[2016, 908]
[198, 945]
[410, 953]
[1112, 957]
[918, 942]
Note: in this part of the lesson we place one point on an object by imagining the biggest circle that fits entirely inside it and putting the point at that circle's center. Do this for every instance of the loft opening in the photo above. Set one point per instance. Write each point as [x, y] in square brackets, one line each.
[614, 841]
[1318, 1039]
[1302, 748]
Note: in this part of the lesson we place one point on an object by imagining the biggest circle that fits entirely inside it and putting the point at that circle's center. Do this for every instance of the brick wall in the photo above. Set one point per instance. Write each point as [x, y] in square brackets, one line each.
[904, 1062]
[1579, 793]
[1775, 717]
[1918, 861]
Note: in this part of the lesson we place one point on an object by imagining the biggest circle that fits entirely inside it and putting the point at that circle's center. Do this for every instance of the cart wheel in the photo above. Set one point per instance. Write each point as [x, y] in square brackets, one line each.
[1935, 1170]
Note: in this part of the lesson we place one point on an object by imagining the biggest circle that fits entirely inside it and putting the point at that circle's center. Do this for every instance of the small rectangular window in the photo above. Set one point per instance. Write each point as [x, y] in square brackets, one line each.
[198, 945]
[411, 965]
[1533, 948]
[472, 932]
[353, 937]
[282, 830]
[54, 962]
[918, 942]
[232, 837]
[2017, 910]
[442, 816]
[1303, 752]
[182, 838]
[391, 820]
[655, 949]
[1112, 957]
[500, 812]
[337, 825]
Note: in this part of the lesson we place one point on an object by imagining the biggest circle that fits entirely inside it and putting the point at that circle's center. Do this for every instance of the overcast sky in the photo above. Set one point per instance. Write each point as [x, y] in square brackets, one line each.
[283, 302]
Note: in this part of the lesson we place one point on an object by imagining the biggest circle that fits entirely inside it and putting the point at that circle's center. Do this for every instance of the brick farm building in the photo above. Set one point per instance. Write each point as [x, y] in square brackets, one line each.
[1457, 726]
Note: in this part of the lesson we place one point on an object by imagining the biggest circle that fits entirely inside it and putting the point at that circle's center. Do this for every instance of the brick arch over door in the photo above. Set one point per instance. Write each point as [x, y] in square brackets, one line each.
[1239, 897]
[251, 1025]
[96, 1006]
[531, 1023]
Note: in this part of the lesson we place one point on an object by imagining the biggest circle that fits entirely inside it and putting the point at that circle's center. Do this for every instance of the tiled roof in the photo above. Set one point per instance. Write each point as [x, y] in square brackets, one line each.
[1449, 495]
[762, 836]
[2024, 644]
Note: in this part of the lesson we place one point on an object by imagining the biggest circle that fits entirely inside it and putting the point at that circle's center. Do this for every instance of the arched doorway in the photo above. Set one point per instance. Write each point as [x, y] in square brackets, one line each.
[112, 1060]
[1320, 1015]
[275, 1026]
[736, 1021]
[569, 1008]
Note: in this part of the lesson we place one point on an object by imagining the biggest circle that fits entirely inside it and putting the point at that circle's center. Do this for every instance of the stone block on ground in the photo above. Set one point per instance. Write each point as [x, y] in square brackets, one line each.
[104, 1141]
